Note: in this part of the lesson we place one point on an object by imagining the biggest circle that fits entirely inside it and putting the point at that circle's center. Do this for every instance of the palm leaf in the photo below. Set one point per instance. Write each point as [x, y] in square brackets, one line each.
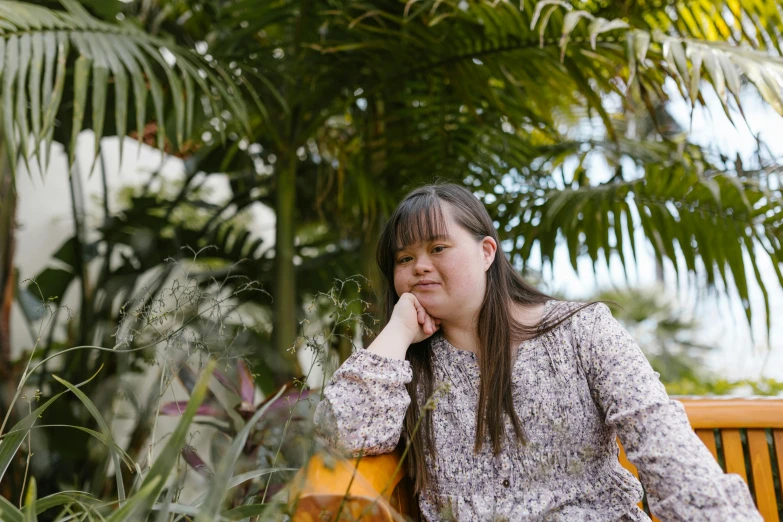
[34, 38]
[756, 23]
[715, 217]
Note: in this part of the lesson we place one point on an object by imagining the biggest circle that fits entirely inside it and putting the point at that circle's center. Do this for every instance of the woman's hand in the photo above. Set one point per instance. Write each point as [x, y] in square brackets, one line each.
[410, 316]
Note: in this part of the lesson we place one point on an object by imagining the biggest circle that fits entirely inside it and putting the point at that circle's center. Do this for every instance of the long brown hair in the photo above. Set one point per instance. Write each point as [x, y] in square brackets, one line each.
[419, 218]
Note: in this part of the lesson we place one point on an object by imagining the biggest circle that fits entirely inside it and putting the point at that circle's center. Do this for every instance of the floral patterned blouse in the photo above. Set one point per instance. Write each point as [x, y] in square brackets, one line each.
[576, 388]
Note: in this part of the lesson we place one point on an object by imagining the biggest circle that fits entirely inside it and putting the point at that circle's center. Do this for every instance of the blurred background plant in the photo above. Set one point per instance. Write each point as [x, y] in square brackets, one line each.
[557, 115]
[194, 338]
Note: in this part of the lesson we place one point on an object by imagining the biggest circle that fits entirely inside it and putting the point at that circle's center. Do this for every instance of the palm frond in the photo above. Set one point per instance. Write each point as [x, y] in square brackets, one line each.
[757, 23]
[545, 57]
[715, 223]
[682, 58]
[40, 48]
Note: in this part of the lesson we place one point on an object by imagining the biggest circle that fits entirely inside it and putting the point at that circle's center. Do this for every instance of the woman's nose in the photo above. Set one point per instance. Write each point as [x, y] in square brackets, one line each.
[422, 264]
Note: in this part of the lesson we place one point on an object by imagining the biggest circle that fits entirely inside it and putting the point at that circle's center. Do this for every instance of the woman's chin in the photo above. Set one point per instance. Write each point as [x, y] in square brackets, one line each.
[431, 303]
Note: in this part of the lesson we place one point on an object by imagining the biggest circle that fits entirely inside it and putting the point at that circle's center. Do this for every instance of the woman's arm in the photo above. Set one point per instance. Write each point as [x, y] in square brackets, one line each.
[682, 479]
[365, 401]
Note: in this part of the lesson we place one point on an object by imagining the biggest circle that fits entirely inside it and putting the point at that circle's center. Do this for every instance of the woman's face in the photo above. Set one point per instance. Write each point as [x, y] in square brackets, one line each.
[457, 265]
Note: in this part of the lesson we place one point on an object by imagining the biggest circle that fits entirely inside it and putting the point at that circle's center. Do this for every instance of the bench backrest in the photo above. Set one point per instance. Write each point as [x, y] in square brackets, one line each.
[746, 437]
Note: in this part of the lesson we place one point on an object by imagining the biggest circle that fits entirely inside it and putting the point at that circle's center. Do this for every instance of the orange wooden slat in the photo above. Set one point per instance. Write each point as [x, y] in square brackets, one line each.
[708, 438]
[761, 466]
[733, 413]
[732, 451]
[777, 436]
[624, 462]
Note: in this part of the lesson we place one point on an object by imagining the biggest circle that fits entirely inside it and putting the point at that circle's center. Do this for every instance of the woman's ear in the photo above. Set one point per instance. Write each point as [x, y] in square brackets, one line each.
[489, 249]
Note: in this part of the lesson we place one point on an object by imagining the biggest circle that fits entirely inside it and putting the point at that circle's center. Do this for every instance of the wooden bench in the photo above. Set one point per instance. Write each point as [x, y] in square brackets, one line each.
[744, 435]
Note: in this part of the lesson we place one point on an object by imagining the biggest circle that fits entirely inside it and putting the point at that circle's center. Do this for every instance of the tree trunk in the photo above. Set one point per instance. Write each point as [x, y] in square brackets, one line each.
[376, 165]
[285, 328]
[285, 312]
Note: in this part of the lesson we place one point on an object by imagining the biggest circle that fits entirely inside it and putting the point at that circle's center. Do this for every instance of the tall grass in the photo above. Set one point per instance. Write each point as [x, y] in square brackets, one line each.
[257, 446]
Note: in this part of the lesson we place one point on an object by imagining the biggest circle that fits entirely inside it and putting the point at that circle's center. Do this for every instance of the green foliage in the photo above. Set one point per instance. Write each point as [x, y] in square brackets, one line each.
[152, 494]
[712, 221]
[687, 386]
[180, 315]
[506, 98]
[9, 512]
[106, 432]
[41, 47]
[216, 496]
[15, 436]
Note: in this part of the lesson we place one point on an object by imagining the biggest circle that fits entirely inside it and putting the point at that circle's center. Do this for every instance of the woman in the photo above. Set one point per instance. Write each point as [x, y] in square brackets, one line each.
[537, 389]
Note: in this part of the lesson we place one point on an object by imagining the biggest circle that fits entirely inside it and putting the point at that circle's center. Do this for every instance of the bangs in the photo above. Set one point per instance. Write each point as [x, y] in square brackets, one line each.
[420, 220]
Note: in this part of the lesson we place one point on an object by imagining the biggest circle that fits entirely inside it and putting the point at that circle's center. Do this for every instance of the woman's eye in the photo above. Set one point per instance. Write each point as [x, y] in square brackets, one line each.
[404, 259]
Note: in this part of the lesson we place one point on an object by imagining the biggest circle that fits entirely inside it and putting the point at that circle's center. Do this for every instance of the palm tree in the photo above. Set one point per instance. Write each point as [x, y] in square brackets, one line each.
[370, 99]
[506, 97]
[367, 94]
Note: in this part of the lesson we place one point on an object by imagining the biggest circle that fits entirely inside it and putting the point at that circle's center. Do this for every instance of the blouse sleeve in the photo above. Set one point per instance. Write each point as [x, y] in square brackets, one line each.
[682, 479]
[364, 404]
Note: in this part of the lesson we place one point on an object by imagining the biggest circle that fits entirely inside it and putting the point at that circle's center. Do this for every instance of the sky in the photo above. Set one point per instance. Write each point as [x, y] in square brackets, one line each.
[45, 218]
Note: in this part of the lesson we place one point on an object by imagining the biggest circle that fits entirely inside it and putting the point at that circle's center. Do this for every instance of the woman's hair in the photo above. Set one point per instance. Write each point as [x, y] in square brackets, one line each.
[419, 218]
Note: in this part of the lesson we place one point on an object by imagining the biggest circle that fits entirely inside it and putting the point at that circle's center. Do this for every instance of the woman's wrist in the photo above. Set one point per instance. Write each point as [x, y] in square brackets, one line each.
[393, 341]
